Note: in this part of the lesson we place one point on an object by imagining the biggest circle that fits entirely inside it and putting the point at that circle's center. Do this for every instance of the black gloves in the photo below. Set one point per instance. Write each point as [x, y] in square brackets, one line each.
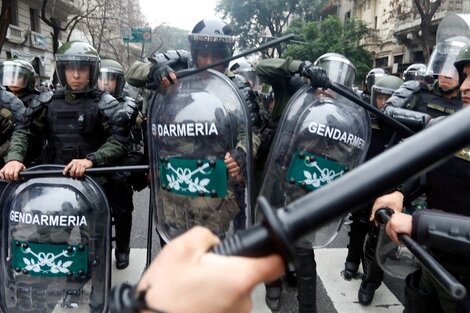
[157, 73]
[317, 75]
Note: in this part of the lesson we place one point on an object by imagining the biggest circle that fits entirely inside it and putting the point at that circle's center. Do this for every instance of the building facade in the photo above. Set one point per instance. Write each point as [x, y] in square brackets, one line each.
[29, 38]
[395, 31]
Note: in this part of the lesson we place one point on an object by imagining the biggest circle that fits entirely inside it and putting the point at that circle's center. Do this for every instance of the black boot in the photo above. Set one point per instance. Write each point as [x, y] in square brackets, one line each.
[122, 259]
[359, 230]
[273, 295]
[306, 280]
[373, 274]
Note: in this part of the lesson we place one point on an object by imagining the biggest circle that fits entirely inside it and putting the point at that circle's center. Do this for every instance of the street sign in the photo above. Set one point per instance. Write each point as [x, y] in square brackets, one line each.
[137, 34]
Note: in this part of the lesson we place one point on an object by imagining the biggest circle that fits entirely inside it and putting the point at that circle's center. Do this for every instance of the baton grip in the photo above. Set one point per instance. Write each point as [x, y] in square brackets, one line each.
[262, 239]
[447, 281]
[253, 242]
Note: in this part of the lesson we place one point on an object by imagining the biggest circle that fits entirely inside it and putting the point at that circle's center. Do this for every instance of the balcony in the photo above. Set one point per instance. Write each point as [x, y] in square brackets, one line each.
[372, 37]
[409, 20]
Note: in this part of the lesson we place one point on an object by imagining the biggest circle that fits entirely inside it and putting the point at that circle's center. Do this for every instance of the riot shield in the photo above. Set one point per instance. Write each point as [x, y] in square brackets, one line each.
[319, 138]
[194, 125]
[55, 247]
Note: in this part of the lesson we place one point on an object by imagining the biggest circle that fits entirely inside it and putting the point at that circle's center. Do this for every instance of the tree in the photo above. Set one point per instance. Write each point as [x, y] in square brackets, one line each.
[426, 9]
[330, 35]
[166, 38]
[257, 20]
[5, 20]
[103, 29]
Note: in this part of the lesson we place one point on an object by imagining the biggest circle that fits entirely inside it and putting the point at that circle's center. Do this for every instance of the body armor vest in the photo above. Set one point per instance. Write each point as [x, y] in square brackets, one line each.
[435, 105]
[74, 129]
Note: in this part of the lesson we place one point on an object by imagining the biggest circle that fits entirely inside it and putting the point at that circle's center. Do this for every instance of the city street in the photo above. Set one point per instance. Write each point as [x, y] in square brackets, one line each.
[334, 294]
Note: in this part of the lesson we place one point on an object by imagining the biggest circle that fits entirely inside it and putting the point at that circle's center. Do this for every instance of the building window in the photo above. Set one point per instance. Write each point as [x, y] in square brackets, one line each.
[14, 13]
[381, 62]
[398, 59]
[347, 15]
[375, 22]
[418, 57]
[35, 21]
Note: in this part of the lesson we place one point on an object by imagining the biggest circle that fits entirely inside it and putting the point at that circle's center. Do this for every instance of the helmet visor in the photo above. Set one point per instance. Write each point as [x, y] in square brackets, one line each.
[78, 75]
[111, 81]
[13, 75]
[379, 96]
[443, 58]
[339, 71]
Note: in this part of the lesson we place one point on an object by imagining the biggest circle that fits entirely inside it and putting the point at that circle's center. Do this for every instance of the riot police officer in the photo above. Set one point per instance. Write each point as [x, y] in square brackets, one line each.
[286, 76]
[447, 189]
[11, 109]
[83, 126]
[112, 80]
[441, 97]
[211, 40]
[372, 76]
[19, 77]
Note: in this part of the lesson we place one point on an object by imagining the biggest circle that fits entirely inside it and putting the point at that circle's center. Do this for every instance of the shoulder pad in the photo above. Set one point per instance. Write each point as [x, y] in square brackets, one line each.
[171, 57]
[412, 85]
[15, 105]
[6, 98]
[108, 105]
[403, 94]
[45, 96]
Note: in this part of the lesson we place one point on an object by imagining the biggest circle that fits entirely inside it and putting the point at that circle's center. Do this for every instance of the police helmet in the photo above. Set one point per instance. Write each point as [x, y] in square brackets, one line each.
[212, 36]
[412, 71]
[78, 55]
[339, 69]
[373, 75]
[383, 89]
[247, 70]
[111, 71]
[462, 59]
[444, 55]
[18, 73]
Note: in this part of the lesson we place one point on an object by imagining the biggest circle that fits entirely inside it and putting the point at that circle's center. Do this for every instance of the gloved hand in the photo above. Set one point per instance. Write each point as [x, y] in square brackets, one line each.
[160, 75]
[317, 75]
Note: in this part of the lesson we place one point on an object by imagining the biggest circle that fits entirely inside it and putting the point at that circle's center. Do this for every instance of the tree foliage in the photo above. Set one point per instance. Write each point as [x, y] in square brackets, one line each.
[330, 35]
[255, 21]
[166, 38]
[103, 29]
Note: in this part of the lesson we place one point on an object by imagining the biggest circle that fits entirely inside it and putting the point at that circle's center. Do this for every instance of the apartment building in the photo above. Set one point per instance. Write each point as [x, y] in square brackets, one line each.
[394, 36]
[29, 38]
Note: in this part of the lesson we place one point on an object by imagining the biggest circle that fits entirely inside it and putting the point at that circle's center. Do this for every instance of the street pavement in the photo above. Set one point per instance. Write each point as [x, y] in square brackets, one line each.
[334, 294]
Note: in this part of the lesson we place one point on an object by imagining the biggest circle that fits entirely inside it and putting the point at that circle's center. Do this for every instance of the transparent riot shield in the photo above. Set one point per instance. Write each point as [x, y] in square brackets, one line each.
[319, 138]
[395, 260]
[55, 250]
[194, 126]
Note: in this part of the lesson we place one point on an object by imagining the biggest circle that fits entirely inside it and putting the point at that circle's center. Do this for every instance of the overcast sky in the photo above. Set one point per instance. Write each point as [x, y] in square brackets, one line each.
[178, 13]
